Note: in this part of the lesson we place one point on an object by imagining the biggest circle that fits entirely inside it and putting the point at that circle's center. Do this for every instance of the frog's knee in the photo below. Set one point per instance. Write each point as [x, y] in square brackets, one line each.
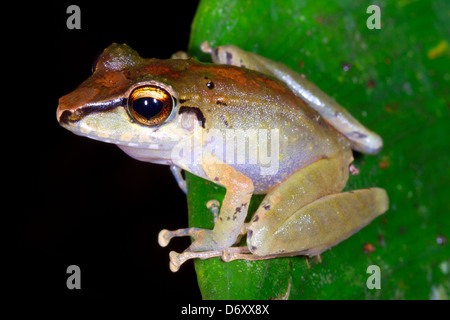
[260, 242]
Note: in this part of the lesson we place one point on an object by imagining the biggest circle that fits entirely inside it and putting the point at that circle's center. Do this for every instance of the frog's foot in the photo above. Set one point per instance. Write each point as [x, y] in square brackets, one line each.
[353, 170]
[165, 235]
[205, 47]
[177, 259]
[227, 255]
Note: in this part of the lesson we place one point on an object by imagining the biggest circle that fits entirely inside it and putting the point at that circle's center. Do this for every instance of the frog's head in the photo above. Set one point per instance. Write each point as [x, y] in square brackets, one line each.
[129, 101]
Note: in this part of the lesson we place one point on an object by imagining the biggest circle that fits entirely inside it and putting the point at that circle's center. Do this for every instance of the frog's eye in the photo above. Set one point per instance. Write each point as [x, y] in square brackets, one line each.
[150, 105]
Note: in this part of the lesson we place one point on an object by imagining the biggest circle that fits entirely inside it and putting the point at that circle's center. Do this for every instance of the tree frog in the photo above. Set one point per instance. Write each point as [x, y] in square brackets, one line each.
[246, 123]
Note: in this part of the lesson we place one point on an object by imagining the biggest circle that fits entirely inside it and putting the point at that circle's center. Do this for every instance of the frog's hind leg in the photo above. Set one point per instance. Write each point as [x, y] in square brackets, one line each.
[362, 139]
[321, 224]
[228, 254]
[306, 214]
[321, 178]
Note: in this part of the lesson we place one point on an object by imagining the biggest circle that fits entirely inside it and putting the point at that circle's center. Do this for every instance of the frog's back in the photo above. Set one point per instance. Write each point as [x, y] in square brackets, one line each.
[248, 105]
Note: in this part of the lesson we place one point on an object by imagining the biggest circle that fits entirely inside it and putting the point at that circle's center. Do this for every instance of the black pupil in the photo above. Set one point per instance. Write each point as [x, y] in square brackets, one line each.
[147, 107]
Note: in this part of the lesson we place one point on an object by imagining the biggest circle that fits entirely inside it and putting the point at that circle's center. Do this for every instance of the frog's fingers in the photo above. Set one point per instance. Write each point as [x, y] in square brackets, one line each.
[165, 235]
[362, 139]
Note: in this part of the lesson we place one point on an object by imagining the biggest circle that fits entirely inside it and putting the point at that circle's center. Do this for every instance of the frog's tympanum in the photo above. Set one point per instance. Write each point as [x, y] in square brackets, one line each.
[244, 122]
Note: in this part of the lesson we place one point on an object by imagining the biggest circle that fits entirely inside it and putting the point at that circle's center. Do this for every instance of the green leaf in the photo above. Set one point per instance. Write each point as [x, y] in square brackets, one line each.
[395, 80]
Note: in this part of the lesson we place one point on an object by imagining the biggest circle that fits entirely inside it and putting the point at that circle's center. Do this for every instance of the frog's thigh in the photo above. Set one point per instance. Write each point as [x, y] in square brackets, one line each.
[321, 178]
[321, 224]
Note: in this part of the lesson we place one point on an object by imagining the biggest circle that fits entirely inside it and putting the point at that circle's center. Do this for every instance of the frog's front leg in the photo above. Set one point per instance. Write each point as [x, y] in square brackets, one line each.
[228, 224]
[176, 171]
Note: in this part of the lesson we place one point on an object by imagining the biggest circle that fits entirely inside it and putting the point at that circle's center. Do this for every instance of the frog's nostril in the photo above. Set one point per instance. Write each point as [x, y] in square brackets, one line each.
[64, 116]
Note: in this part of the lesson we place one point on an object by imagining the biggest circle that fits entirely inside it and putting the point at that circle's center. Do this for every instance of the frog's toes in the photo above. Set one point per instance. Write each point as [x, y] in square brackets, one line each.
[175, 261]
[353, 170]
[205, 47]
[164, 237]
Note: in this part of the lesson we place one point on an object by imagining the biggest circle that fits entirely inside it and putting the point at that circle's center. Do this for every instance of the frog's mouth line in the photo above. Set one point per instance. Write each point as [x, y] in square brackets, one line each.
[150, 146]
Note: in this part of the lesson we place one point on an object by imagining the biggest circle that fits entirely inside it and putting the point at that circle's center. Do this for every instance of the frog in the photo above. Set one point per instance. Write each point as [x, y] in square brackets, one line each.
[246, 123]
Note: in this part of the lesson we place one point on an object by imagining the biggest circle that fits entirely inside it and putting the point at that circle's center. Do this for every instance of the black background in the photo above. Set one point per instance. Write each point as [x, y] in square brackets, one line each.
[91, 205]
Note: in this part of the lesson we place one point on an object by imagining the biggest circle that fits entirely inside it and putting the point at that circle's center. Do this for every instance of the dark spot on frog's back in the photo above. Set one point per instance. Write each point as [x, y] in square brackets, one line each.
[222, 117]
[346, 66]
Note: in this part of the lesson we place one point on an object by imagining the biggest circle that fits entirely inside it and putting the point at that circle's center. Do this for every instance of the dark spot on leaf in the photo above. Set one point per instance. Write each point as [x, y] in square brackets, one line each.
[368, 248]
[346, 66]
[441, 240]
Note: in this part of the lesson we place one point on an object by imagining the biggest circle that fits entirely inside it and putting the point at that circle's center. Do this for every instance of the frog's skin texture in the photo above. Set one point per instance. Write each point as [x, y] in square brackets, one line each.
[186, 114]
